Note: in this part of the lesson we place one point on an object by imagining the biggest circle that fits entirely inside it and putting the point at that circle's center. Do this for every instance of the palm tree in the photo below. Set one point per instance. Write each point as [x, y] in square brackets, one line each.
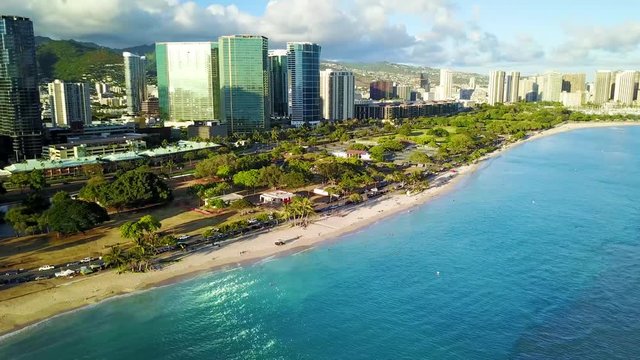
[116, 258]
[170, 165]
[300, 208]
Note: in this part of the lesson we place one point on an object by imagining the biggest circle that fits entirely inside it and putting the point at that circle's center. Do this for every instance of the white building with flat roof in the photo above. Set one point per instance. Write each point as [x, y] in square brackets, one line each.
[337, 94]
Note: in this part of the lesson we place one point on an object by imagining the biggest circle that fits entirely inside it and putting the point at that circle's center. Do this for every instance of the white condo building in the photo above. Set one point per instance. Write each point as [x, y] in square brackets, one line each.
[337, 94]
[446, 84]
[70, 102]
[511, 85]
[552, 87]
[496, 87]
[626, 87]
[602, 92]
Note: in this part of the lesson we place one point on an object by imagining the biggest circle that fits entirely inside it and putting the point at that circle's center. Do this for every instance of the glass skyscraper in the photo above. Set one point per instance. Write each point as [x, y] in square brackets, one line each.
[244, 83]
[188, 87]
[135, 80]
[20, 123]
[304, 83]
[278, 80]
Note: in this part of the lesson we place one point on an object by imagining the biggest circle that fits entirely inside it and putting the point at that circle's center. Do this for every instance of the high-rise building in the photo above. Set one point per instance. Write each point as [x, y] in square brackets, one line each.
[603, 87]
[512, 83]
[381, 89]
[446, 83]
[528, 89]
[337, 94]
[303, 70]
[552, 87]
[496, 87]
[188, 81]
[403, 92]
[20, 122]
[626, 87]
[102, 89]
[472, 82]
[278, 80]
[70, 103]
[135, 80]
[574, 82]
[244, 83]
[424, 82]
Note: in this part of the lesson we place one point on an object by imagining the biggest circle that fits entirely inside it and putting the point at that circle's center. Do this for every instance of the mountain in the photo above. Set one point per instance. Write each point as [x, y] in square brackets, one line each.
[72, 60]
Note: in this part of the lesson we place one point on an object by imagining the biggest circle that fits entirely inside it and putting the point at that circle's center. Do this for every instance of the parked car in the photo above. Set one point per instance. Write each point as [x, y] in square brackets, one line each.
[73, 263]
[183, 237]
[38, 278]
[86, 260]
[45, 267]
[65, 273]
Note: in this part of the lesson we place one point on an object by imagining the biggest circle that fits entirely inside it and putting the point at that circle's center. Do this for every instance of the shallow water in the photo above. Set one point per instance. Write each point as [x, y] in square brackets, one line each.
[536, 256]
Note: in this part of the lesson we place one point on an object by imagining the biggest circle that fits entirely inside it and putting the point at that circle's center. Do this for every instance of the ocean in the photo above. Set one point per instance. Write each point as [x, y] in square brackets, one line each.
[534, 256]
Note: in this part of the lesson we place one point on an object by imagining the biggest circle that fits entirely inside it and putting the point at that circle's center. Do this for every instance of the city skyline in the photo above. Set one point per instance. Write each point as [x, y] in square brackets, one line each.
[463, 35]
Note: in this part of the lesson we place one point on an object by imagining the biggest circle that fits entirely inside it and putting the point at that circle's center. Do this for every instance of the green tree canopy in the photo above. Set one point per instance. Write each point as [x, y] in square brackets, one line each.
[68, 216]
[248, 178]
[132, 189]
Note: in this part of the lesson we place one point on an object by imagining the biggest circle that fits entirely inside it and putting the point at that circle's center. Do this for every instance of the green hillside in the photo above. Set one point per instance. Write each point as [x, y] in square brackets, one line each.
[72, 60]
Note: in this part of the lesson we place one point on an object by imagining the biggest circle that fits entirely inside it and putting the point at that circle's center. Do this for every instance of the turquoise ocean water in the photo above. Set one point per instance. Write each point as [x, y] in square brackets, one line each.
[538, 257]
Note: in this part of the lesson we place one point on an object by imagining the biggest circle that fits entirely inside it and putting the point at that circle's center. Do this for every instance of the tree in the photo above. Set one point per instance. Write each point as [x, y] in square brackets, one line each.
[170, 165]
[95, 190]
[271, 176]
[217, 203]
[248, 178]
[355, 198]
[190, 156]
[68, 216]
[241, 204]
[405, 129]
[59, 197]
[22, 220]
[37, 180]
[19, 180]
[439, 132]
[299, 210]
[378, 153]
[137, 188]
[292, 180]
[117, 258]
[358, 146]
[142, 232]
[419, 157]
[459, 143]
[91, 170]
[330, 170]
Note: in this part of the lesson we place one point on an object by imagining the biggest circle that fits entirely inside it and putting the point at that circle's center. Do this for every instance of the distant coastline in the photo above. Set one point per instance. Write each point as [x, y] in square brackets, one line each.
[19, 313]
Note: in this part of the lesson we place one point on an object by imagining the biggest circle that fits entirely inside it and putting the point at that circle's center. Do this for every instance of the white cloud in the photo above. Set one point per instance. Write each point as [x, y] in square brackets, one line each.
[346, 29]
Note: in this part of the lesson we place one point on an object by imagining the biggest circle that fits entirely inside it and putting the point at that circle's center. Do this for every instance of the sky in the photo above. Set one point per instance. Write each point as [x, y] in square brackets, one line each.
[465, 35]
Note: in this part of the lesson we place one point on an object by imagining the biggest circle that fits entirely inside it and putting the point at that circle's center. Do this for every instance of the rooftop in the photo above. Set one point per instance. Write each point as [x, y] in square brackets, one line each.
[100, 140]
[278, 194]
[37, 164]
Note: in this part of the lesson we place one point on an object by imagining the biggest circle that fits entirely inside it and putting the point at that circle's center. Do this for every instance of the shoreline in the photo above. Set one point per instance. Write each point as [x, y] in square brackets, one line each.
[20, 313]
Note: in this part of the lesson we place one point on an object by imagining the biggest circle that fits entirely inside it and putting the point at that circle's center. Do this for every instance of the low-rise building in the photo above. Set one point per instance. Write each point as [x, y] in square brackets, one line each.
[404, 110]
[353, 154]
[277, 197]
[94, 147]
